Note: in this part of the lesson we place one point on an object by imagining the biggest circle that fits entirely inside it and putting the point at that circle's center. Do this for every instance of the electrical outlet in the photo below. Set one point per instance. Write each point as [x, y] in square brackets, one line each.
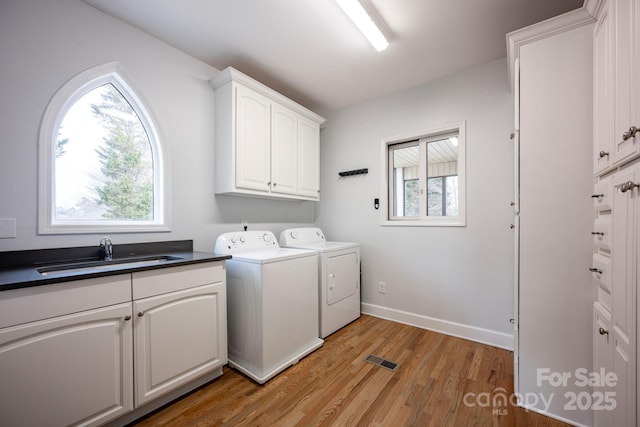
[382, 287]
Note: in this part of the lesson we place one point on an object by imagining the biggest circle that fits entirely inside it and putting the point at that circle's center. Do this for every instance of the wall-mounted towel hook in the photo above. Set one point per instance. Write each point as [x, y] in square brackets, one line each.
[354, 172]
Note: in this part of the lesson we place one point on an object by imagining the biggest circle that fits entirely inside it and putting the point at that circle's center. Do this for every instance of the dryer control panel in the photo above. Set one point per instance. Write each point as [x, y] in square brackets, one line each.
[240, 241]
[295, 236]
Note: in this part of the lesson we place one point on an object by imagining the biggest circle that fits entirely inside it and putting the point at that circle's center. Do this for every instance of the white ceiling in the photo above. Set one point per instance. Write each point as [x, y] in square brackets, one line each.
[309, 51]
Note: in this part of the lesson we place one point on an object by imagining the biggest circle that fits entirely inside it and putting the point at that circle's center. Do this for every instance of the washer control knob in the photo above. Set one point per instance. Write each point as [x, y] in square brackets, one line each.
[294, 234]
[233, 240]
[242, 239]
[266, 237]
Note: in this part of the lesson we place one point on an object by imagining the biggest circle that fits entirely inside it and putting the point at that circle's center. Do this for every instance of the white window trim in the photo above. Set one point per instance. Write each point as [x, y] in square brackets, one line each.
[449, 221]
[59, 105]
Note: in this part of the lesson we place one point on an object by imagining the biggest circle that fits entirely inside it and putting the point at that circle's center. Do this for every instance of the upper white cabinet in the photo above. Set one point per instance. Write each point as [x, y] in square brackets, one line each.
[266, 144]
[616, 89]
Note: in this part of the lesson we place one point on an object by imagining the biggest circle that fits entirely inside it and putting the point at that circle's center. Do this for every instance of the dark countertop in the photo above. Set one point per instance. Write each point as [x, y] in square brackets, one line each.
[19, 269]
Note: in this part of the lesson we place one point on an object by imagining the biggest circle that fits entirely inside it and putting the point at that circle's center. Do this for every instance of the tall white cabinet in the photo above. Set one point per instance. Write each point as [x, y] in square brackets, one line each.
[266, 144]
[616, 227]
[553, 83]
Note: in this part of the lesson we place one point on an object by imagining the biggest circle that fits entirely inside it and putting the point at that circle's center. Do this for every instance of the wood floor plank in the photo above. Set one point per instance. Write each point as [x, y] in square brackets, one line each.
[334, 386]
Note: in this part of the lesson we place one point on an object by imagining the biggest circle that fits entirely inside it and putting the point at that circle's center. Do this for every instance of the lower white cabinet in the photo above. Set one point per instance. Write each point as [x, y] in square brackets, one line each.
[178, 337]
[615, 273]
[74, 369]
[93, 351]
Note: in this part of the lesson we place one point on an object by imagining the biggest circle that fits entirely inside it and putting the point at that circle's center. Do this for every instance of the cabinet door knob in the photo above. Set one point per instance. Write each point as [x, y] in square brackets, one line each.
[597, 196]
[595, 270]
[630, 133]
[597, 233]
[604, 154]
[127, 317]
[603, 331]
[627, 186]
[275, 183]
[140, 313]
[512, 226]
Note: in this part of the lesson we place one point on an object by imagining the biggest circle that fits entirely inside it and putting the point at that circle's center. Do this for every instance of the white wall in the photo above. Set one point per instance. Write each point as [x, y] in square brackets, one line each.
[455, 279]
[43, 44]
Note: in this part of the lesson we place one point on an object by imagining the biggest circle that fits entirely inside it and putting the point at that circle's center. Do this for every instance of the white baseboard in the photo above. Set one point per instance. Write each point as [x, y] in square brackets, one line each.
[481, 335]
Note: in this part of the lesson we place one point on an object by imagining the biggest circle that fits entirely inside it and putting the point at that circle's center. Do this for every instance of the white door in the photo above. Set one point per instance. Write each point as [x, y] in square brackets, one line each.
[253, 135]
[284, 150]
[74, 369]
[308, 158]
[342, 277]
[516, 224]
[178, 337]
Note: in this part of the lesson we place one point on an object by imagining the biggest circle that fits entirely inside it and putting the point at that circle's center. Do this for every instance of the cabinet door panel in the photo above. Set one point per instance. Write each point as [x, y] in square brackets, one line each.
[284, 150]
[67, 370]
[603, 116]
[178, 337]
[625, 73]
[309, 158]
[253, 145]
[602, 358]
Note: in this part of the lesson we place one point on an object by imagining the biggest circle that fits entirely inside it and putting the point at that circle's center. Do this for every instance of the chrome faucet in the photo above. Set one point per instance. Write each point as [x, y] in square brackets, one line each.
[107, 247]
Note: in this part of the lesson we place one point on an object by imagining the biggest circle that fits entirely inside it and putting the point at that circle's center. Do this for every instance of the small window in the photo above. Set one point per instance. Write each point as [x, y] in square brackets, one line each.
[101, 163]
[424, 179]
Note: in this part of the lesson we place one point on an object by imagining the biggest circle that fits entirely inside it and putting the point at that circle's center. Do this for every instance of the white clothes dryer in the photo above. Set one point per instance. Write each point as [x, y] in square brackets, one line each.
[338, 276]
[272, 303]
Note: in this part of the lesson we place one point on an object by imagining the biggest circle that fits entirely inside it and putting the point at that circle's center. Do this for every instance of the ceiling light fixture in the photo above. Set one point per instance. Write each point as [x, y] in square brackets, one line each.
[365, 24]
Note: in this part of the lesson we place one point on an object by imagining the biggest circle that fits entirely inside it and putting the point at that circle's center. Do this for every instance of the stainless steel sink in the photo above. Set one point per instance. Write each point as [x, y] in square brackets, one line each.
[93, 266]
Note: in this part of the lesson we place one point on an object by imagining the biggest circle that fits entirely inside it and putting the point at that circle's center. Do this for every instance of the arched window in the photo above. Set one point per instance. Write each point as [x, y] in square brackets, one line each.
[101, 163]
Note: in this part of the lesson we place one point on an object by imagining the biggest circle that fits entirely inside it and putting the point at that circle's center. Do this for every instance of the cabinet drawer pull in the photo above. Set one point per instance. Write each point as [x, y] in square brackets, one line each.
[627, 186]
[597, 233]
[595, 270]
[603, 331]
[127, 317]
[604, 154]
[597, 196]
[275, 183]
[630, 133]
[140, 313]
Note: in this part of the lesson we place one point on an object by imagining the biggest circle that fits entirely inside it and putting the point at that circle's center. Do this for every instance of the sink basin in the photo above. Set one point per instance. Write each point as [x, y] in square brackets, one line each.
[93, 266]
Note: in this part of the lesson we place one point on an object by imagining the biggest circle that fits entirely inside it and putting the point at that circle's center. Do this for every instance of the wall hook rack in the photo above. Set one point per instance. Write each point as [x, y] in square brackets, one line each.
[354, 172]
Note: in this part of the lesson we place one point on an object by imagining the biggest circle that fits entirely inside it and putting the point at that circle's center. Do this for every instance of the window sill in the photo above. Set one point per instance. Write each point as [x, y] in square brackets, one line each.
[445, 222]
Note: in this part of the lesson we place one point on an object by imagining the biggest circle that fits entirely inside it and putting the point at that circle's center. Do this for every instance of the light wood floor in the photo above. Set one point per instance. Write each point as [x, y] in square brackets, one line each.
[333, 386]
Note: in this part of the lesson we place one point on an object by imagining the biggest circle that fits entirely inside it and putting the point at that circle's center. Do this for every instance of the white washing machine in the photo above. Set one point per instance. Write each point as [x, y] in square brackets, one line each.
[272, 303]
[338, 276]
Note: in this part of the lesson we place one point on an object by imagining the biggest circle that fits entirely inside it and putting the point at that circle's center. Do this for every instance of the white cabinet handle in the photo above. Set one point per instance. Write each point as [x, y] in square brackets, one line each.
[140, 313]
[127, 317]
[630, 133]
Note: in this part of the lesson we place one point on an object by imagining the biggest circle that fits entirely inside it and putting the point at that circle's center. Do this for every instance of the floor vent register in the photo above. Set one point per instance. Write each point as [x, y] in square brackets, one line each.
[379, 361]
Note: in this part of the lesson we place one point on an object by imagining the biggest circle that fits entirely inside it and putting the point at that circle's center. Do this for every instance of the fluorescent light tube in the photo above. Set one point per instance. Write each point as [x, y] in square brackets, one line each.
[365, 24]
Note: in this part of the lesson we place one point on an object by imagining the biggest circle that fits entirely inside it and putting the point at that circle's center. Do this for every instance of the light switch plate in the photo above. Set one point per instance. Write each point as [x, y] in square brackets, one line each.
[7, 228]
